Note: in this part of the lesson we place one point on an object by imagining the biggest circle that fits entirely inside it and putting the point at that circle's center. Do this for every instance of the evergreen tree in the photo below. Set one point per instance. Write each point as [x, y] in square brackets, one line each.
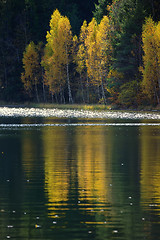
[101, 9]
[25, 21]
[126, 18]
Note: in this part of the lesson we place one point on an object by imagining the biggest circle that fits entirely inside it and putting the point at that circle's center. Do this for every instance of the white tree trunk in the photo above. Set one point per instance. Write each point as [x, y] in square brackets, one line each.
[68, 80]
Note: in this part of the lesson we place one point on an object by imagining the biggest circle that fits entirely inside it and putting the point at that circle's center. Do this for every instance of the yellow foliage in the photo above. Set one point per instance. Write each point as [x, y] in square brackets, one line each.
[151, 59]
[31, 65]
[57, 51]
[99, 50]
[64, 39]
[83, 32]
[74, 48]
[75, 43]
[91, 48]
[81, 53]
[81, 58]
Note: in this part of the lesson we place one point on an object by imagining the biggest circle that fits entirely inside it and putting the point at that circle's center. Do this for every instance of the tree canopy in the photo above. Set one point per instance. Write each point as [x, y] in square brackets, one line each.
[78, 51]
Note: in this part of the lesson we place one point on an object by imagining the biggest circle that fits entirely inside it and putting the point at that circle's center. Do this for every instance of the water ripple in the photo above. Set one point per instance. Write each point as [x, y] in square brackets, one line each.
[75, 124]
[44, 112]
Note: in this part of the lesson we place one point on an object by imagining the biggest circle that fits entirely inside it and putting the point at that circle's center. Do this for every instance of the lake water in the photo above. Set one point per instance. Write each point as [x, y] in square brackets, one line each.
[79, 175]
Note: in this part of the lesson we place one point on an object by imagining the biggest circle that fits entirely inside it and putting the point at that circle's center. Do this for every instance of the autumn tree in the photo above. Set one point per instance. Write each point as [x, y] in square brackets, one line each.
[78, 83]
[91, 48]
[32, 70]
[151, 60]
[104, 52]
[81, 57]
[65, 42]
[57, 55]
[52, 67]
[25, 21]
[98, 54]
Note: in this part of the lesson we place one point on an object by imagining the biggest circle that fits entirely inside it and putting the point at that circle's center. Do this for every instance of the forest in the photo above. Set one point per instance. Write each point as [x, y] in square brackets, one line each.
[91, 52]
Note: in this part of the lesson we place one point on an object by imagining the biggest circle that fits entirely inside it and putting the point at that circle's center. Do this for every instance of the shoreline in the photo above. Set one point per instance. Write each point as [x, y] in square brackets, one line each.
[91, 107]
[59, 106]
[74, 113]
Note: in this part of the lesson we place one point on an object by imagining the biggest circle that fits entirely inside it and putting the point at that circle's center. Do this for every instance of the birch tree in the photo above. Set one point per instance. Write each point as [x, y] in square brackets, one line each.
[65, 44]
[104, 53]
[151, 60]
[91, 52]
[57, 55]
[81, 60]
[99, 49]
[32, 70]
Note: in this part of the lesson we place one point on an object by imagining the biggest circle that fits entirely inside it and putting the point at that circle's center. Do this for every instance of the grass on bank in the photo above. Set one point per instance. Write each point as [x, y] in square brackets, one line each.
[92, 107]
[71, 106]
[59, 106]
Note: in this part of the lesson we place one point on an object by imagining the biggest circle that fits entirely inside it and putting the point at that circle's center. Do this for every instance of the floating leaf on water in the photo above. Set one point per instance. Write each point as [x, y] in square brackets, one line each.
[37, 226]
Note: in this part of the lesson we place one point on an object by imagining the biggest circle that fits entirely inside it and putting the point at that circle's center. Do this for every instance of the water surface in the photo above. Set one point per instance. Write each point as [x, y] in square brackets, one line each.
[75, 179]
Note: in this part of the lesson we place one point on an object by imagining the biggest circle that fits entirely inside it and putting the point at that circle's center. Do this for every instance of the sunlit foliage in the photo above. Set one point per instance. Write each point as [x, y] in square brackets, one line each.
[57, 55]
[94, 54]
[32, 69]
[81, 61]
[71, 77]
[151, 60]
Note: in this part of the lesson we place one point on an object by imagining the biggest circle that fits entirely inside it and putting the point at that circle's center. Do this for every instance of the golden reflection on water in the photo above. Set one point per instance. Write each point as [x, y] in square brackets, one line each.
[76, 161]
[80, 164]
[105, 177]
[93, 164]
[56, 176]
[150, 167]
